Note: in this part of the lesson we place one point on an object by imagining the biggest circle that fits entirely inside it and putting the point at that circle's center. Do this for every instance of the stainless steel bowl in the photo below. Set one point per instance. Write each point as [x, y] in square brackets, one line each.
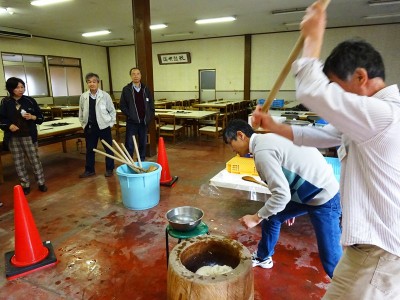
[184, 218]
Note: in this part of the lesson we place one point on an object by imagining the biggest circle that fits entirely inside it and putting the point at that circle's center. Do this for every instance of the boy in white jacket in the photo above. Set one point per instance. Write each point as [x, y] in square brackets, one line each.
[300, 181]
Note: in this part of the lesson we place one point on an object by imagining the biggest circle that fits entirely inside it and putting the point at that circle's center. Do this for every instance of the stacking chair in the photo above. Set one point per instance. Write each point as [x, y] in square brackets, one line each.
[193, 101]
[120, 124]
[178, 105]
[215, 130]
[168, 127]
[47, 114]
[228, 112]
[209, 121]
[243, 110]
[185, 104]
[236, 110]
[56, 113]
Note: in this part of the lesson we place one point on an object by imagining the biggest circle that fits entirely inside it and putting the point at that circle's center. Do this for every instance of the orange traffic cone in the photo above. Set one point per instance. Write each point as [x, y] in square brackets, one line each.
[166, 178]
[30, 253]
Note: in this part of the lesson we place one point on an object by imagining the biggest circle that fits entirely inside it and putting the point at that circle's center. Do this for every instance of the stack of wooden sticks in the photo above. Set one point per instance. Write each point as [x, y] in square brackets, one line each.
[122, 155]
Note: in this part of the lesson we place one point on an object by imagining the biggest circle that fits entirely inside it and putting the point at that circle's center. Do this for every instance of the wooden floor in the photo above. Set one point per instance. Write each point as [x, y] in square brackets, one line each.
[107, 251]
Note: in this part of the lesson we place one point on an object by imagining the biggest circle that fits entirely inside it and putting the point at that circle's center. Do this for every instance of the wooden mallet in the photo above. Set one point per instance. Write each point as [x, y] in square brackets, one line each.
[286, 69]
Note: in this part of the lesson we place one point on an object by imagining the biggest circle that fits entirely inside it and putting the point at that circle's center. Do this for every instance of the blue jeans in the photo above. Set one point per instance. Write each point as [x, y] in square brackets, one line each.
[326, 222]
[141, 131]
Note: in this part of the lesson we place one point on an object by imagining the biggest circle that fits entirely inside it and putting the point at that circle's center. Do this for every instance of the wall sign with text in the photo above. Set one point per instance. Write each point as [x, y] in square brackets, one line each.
[174, 58]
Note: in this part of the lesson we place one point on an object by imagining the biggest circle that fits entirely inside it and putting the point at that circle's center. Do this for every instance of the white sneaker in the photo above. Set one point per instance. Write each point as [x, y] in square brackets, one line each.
[265, 264]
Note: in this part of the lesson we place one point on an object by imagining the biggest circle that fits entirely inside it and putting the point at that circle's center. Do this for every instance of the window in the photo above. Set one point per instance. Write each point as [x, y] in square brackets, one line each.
[65, 76]
[30, 68]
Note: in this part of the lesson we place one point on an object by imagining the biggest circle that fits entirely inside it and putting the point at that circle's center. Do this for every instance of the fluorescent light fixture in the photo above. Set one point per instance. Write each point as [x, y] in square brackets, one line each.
[6, 11]
[297, 24]
[289, 11]
[96, 33]
[46, 2]
[382, 2]
[158, 26]
[177, 34]
[382, 16]
[111, 41]
[215, 20]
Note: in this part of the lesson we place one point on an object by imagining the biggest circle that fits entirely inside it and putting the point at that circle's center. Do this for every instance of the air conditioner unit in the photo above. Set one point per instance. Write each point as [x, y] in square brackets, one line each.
[6, 32]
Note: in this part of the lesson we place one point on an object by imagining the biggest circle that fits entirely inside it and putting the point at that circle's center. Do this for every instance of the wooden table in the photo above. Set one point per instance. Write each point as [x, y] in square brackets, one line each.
[301, 115]
[164, 103]
[49, 133]
[291, 105]
[230, 108]
[185, 115]
[217, 104]
[179, 114]
[68, 110]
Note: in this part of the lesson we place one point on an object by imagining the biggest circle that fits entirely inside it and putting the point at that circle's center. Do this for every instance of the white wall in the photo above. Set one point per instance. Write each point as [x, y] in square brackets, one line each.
[384, 38]
[122, 60]
[270, 52]
[180, 81]
[226, 55]
[93, 58]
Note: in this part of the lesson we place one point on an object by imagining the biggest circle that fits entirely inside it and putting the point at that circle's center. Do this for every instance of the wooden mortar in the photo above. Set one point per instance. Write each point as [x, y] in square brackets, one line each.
[187, 257]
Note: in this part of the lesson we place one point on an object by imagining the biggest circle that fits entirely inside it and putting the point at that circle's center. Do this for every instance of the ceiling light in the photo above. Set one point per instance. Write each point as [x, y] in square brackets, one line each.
[111, 41]
[382, 2]
[6, 11]
[215, 20]
[46, 2]
[297, 24]
[158, 26]
[177, 34]
[289, 11]
[96, 33]
[382, 16]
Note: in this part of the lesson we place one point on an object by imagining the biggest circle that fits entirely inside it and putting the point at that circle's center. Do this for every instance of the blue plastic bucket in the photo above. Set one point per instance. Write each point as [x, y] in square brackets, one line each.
[140, 191]
[335, 163]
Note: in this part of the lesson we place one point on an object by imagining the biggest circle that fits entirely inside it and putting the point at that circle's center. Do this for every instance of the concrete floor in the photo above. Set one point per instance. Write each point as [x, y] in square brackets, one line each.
[106, 251]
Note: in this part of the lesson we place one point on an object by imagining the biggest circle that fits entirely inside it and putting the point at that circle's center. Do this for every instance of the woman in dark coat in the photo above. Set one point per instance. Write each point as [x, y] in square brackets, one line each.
[19, 115]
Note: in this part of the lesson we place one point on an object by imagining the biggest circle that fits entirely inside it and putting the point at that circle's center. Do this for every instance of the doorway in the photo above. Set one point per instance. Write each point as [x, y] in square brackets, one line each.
[207, 85]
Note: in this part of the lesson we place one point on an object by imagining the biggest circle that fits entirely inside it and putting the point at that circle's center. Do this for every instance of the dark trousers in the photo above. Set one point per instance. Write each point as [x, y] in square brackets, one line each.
[92, 136]
[141, 131]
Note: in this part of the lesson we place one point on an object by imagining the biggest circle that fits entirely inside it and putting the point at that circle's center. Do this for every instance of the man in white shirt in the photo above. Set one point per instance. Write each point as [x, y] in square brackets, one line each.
[97, 116]
[349, 92]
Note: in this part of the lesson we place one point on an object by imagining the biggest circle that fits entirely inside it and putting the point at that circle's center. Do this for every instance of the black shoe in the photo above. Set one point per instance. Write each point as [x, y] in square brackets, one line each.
[87, 174]
[27, 190]
[43, 188]
[108, 173]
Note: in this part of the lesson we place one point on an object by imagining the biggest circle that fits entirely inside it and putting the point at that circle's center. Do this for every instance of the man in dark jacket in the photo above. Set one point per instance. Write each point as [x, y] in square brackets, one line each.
[137, 103]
